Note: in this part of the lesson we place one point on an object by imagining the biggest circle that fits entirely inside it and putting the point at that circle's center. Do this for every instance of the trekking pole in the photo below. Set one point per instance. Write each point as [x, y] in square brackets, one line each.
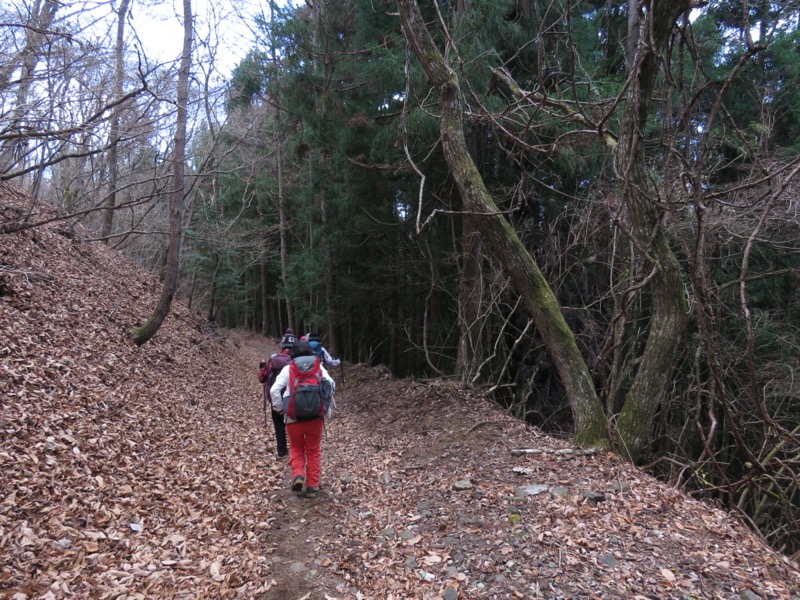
[265, 406]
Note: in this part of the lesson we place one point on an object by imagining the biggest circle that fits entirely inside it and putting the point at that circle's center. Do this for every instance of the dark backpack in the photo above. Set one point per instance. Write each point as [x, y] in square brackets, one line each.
[309, 393]
[275, 366]
[269, 373]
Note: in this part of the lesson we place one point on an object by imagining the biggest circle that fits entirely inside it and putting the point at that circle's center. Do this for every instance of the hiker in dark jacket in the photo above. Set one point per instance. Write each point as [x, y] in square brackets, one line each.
[305, 436]
[267, 375]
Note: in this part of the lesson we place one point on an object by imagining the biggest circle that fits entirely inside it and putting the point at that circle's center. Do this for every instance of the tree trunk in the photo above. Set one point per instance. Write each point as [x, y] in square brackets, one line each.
[191, 289]
[113, 133]
[470, 298]
[264, 289]
[284, 222]
[330, 278]
[149, 329]
[324, 69]
[14, 149]
[640, 197]
[633, 34]
[211, 316]
[587, 411]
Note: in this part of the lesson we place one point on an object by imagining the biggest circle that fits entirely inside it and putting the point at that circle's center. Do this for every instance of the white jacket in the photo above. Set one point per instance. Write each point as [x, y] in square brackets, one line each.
[280, 389]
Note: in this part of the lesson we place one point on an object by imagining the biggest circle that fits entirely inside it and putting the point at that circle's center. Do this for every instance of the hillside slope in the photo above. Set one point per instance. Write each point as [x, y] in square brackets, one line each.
[147, 472]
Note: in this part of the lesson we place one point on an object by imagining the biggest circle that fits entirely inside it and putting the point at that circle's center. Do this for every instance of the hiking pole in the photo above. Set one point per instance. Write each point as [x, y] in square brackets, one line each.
[265, 406]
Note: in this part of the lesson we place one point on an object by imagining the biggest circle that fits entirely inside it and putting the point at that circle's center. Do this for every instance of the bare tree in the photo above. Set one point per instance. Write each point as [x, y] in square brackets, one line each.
[663, 274]
[588, 413]
[149, 329]
[13, 141]
[113, 142]
[642, 203]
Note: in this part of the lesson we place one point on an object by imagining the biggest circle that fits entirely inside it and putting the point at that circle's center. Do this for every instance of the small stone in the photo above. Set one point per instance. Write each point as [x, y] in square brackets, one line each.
[406, 534]
[593, 497]
[619, 486]
[411, 563]
[297, 567]
[385, 477]
[530, 490]
[462, 485]
[450, 594]
[608, 559]
[560, 491]
[388, 533]
[424, 505]
[749, 595]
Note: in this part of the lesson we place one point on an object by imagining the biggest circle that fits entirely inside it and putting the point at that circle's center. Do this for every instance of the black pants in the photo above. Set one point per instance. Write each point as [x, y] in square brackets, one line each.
[280, 433]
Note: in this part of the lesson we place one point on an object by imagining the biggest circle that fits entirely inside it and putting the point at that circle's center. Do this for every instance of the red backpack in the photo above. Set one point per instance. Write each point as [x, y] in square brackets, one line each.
[309, 392]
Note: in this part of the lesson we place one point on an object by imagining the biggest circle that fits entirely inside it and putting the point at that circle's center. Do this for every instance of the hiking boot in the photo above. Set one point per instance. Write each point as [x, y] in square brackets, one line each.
[312, 492]
[297, 483]
[283, 457]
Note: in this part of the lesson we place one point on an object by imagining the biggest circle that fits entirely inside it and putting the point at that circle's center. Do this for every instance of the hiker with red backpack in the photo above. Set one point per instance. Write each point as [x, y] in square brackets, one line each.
[303, 392]
[267, 375]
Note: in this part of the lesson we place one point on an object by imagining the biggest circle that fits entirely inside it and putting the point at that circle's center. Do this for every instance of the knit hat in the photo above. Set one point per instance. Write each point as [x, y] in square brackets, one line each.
[288, 339]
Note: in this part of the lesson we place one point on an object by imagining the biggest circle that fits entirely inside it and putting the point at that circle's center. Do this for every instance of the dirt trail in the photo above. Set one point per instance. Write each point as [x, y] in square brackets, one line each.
[424, 496]
[301, 529]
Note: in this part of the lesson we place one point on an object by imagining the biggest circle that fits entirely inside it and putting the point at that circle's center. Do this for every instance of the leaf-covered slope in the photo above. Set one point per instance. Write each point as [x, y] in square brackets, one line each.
[123, 468]
[147, 472]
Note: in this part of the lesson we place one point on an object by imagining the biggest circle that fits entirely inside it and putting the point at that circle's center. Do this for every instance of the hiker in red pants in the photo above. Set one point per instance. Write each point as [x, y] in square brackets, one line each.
[303, 392]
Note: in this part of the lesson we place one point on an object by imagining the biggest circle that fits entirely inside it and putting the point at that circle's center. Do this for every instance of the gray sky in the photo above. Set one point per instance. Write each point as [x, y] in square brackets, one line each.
[159, 26]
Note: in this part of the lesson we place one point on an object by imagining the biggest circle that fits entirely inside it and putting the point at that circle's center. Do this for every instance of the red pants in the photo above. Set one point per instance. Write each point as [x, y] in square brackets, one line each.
[305, 450]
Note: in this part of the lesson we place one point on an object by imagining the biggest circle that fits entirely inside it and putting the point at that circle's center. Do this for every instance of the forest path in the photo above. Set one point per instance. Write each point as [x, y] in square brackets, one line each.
[424, 495]
[302, 531]
[391, 456]
[147, 472]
